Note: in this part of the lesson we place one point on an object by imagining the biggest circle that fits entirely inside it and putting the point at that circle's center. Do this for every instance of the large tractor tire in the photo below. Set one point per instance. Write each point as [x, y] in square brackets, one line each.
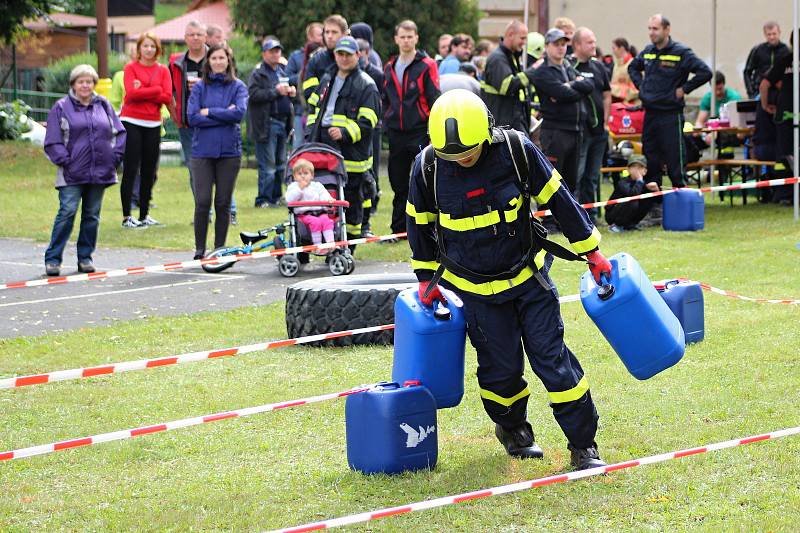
[325, 305]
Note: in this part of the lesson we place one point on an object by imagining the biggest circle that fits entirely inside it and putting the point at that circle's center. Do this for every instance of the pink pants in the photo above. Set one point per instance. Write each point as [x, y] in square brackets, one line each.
[318, 225]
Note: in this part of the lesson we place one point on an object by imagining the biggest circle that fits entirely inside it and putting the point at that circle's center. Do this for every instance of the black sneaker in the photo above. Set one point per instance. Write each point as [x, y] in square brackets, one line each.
[86, 266]
[519, 441]
[585, 458]
[52, 269]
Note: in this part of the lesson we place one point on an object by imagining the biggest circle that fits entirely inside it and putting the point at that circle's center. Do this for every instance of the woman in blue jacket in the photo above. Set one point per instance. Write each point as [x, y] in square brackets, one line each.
[86, 141]
[216, 107]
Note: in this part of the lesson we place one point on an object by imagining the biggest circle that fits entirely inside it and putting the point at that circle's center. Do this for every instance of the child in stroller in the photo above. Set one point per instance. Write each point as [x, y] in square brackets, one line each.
[305, 189]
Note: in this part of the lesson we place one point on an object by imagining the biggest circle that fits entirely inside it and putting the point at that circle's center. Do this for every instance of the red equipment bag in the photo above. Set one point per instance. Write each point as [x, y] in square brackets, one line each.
[625, 119]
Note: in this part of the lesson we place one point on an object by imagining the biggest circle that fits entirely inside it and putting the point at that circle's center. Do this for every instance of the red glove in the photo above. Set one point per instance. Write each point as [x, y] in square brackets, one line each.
[598, 265]
[435, 294]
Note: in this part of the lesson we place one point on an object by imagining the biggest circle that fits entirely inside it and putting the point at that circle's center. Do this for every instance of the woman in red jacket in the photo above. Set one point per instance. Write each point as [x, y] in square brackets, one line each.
[148, 86]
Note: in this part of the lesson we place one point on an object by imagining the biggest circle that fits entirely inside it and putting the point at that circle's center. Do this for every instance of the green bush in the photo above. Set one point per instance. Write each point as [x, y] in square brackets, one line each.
[56, 76]
[14, 119]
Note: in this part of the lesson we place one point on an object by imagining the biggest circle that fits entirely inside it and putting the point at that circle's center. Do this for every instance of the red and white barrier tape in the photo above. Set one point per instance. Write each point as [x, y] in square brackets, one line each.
[145, 364]
[737, 187]
[525, 485]
[169, 426]
[167, 267]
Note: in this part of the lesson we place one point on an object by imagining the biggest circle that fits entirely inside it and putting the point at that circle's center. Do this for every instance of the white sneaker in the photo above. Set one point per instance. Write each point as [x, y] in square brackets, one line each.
[150, 221]
[130, 222]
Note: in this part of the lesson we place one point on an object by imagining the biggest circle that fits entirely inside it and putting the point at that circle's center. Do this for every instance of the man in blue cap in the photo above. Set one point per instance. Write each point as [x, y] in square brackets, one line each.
[343, 113]
[270, 116]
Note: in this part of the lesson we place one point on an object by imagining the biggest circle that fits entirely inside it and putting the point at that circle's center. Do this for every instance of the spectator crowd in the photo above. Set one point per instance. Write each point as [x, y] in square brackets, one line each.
[336, 89]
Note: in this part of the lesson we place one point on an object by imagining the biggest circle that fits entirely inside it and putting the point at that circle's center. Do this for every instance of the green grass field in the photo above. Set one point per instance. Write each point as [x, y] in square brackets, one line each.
[289, 467]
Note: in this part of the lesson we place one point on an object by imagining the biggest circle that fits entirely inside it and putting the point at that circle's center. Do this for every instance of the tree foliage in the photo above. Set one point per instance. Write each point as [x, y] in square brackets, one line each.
[288, 18]
[14, 12]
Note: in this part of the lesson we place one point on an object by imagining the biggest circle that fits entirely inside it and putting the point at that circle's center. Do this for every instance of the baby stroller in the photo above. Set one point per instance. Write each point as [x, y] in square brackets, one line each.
[329, 171]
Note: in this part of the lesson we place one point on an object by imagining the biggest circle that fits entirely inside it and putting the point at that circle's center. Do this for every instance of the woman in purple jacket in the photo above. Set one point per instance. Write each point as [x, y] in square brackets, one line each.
[216, 107]
[86, 140]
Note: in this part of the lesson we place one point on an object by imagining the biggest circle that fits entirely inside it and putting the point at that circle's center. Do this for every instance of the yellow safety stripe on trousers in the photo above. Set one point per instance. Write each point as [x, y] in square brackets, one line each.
[368, 114]
[488, 89]
[780, 166]
[670, 58]
[570, 395]
[480, 221]
[424, 265]
[358, 166]
[588, 244]
[497, 286]
[341, 121]
[366, 204]
[354, 229]
[310, 82]
[549, 188]
[507, 402]
[420, 217]
[313, 99]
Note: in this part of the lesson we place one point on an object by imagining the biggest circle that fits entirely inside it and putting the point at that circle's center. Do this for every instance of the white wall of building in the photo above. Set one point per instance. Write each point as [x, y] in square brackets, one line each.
[739, 26]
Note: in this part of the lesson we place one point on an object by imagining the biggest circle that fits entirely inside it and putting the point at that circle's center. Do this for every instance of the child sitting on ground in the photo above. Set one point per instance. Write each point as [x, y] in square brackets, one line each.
[626, 216]
[305, 189]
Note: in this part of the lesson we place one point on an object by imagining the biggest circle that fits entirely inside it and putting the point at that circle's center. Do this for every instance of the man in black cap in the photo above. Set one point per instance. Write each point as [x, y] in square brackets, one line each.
[269, 121]
[561, 91]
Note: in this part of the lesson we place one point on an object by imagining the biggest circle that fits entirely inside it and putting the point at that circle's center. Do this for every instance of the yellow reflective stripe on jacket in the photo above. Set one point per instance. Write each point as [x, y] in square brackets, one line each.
[505, 84]
[420, 217]
[480, 221]
[424, 265]
[488, 89]
[670, 58]
[311, 119]
[313, 99]
[649, 56]
[357, 166]
[570, 395]
[588, 244]
[497, 286]
[310, 82]
[549, 188]
[523, 79]
[469, 223]
[341, 121]
[368, 114]
[507, 402]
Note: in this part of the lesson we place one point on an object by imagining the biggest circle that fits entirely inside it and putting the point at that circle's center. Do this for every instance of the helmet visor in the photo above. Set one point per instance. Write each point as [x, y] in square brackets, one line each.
[461, 155]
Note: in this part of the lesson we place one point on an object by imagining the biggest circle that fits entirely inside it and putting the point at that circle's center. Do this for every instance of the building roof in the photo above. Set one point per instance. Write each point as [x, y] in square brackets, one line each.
[62, 20]
[173, 30]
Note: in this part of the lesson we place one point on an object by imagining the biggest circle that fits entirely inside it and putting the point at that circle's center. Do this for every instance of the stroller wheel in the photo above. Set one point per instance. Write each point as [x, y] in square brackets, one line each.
[337, 264]
[288, 265]
[351, 264]
[219, 267]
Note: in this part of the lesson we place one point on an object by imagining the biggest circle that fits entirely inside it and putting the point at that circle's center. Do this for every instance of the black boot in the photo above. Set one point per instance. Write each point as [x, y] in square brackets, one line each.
[584, 458]
[519, 441]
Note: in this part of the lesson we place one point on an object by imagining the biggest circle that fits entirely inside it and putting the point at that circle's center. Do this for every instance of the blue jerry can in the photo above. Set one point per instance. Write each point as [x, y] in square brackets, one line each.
[391, 429]
[685, 300]
[429, 345]
[633, 318]
[683, 210]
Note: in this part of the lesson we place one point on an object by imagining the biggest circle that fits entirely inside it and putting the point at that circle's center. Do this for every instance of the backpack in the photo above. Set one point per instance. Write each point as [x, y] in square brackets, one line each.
[535, 233]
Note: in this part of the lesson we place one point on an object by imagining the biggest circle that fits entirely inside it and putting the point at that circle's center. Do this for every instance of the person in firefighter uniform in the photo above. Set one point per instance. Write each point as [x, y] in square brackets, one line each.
[469, 228]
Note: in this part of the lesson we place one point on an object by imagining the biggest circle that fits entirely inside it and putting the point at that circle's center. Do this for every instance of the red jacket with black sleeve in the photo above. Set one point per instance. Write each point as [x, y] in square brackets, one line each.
[407, 102]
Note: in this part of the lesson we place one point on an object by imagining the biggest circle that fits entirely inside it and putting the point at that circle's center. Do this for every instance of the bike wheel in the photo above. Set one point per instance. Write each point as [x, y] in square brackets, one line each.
[219, 267]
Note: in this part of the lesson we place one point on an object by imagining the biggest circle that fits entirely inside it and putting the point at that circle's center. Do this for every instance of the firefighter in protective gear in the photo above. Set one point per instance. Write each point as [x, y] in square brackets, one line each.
[469, 226]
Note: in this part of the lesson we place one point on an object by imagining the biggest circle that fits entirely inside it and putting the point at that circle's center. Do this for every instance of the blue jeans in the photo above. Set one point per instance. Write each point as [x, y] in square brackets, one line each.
[185, 135]
[271, 157]
[298, 131]
[68, 198]
[593, 148]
